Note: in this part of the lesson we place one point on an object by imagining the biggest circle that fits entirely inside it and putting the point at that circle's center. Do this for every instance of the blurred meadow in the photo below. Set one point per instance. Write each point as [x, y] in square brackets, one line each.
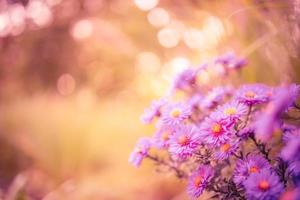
[75, 76]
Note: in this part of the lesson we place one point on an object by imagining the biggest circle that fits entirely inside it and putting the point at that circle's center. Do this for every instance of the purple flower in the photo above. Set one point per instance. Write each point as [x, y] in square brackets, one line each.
[226, 150]
[249, 165]
[184, 142]
[264, 185]
[247, 131]
[186, 79]
[175, 114]
[232, 111]
[153, 111]
[140, 151]
[293, 194]
[289, 132]
[291, 149]
[161, 138]
[199, 180]
[270, 119]
[230, 61]
[216, 96]
[294, 167]
[253, 94]
[195, 101]
[215, 130]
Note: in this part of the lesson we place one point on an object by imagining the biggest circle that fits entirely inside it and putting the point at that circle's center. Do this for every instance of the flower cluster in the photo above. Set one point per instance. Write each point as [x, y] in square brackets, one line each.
[233, 141]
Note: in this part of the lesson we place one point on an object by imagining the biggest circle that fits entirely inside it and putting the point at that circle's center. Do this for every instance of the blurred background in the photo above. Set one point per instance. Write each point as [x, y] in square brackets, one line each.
[75, 75]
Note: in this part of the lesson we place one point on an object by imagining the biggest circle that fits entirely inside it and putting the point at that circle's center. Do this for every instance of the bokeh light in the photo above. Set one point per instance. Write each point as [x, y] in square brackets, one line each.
[158, 17]
[146, 4]
[66, 84]
[82, 29]
[168, 37]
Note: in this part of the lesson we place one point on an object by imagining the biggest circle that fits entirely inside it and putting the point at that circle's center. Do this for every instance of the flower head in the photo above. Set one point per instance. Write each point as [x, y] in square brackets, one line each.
[230, 61]
[161, 138]
[153, 111]
[264, 185]
[140, 151]
[226, 149]
[293, 194]
[253, 94]
[251, 164]
[215, 130]
[199, 180]
[291, 150]
[232, 111]
[175, 114]
[216, 96]
[186, 79]
[184, 142]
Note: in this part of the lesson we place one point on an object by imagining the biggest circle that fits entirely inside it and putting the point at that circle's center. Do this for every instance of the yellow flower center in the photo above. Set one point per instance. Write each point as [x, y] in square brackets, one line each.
[250, 94]
[216, 129]
[175, 112]
[198, 181]
[254, 169]
[183, 140]
[230, 111]
[264, 185]
[165, 136]
[225, 147]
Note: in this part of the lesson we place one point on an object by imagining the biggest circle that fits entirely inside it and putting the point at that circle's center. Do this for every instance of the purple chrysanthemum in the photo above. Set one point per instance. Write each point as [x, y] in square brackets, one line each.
[186, 79]
[153, 111]
[251, 164]
[174, 114]
[294, 167]
[184, 142]
[161, 138]
[230, 60]
[199, 180]
[233, 111]
[264, 185]
[140, 151]
[226, 150]
[282, 98]
[253, 94]
[291, 149]
[293, 194]
[215, 130]
[195, 100]
[216, 96]
[289, 132]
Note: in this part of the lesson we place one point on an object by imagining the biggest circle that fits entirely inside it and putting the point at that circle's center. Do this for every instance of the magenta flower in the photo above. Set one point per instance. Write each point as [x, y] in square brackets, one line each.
[195, 101]
[291, 149]
[175, 114]
[230, 61]
[186, 79]
[140, 151]
[226, 150]
[289, 132]
[199, 180]
[233, 111]
[281, 100]
[161, 138]
[293, 194]
[184, 141]
[251, 164]
[214, 130]
[253, 94]
[215, 97]
[264, 185]
[153, 111]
